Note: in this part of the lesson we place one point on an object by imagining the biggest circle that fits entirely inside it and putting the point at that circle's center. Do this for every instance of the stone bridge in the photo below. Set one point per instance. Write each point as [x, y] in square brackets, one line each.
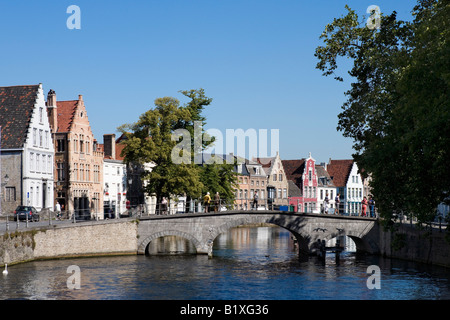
[201, 229]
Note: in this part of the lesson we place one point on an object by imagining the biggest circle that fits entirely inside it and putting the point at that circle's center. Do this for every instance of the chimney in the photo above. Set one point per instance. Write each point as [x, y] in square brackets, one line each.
[109, 145]
[52, 110]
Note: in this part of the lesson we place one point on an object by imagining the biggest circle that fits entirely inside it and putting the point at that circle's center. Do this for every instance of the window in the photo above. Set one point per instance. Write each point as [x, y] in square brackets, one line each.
[274, 177]
[46, 139]
[60, 145]
[30, 196]
[60, 171]
[41, 138]
[10, 194]
[81, 143]
[75, 171]
[81, 172]
[38, 195]
[279, 193]
[34, 137]
[280, 177]
[96, 173]
[310, 175]
[31, 161]
[284, 193]
[88, 172]
[49, 164]
[75, 145]
[38, 162]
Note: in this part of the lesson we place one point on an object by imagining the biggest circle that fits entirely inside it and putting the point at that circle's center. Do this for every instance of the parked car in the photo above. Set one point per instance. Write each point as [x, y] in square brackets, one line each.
[22, 212]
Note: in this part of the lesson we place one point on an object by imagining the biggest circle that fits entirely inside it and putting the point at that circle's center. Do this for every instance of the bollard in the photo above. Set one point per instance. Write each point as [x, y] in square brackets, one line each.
[26, 218]
[7, 223]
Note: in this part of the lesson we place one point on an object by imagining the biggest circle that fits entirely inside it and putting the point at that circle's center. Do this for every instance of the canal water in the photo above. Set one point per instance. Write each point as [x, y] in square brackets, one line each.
[248, 263]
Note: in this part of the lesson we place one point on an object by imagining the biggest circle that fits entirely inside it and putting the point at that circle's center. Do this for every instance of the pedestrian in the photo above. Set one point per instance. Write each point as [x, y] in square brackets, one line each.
[364, 207]
[216, 202]
[336, 201]
[255, 201]
[325, 204]
[164, 205]
[58, 210]
[372, 206]
[206, 201]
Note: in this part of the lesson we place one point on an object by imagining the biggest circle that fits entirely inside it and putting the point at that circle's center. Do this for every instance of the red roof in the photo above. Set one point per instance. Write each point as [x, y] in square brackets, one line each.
[339, 171]
[66, 111]
[265, 162]
[294, 170]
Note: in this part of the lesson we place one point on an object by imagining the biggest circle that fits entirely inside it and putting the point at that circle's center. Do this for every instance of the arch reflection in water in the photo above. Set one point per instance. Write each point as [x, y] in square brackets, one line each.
[345, 241]
[170, 245]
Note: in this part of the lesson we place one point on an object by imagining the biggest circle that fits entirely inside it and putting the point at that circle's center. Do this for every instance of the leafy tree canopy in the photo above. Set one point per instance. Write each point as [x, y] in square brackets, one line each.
[398, 107]
[151, 140]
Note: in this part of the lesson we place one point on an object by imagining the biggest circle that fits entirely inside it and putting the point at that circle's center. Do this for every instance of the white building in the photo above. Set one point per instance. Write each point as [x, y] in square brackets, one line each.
[27, 150]
[325, 188]
[114, 179]
[349, 184]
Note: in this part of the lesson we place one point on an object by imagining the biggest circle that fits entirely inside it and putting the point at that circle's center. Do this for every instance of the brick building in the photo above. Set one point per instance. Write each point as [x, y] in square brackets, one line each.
[78, 161]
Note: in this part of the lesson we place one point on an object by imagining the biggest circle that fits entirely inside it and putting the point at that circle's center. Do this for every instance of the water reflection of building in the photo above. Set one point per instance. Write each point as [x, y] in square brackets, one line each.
[346, 241]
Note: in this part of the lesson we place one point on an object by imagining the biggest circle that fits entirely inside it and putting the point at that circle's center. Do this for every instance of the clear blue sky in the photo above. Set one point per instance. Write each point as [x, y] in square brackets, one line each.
[255, 58]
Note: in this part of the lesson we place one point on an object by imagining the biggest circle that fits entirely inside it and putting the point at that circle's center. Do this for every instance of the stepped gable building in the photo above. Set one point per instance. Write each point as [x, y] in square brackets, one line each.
[277, 183]
[27, 152]
[302, 173]
[78, 161]
[325, 188]
[348, 183]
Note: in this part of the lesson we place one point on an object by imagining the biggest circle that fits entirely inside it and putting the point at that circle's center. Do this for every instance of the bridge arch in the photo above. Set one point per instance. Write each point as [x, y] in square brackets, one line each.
[302, 239]
[143, 247]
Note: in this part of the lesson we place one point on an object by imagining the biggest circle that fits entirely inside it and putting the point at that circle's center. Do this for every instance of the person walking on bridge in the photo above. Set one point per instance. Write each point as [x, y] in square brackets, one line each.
[216, 202]
[255, 201]
[364, 207]
[206, 202]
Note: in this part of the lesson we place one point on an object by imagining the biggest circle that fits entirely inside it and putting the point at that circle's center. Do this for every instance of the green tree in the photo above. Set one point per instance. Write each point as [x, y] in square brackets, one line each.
[219, 177]
[149, 140]
[397, 109]
[214, 177]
